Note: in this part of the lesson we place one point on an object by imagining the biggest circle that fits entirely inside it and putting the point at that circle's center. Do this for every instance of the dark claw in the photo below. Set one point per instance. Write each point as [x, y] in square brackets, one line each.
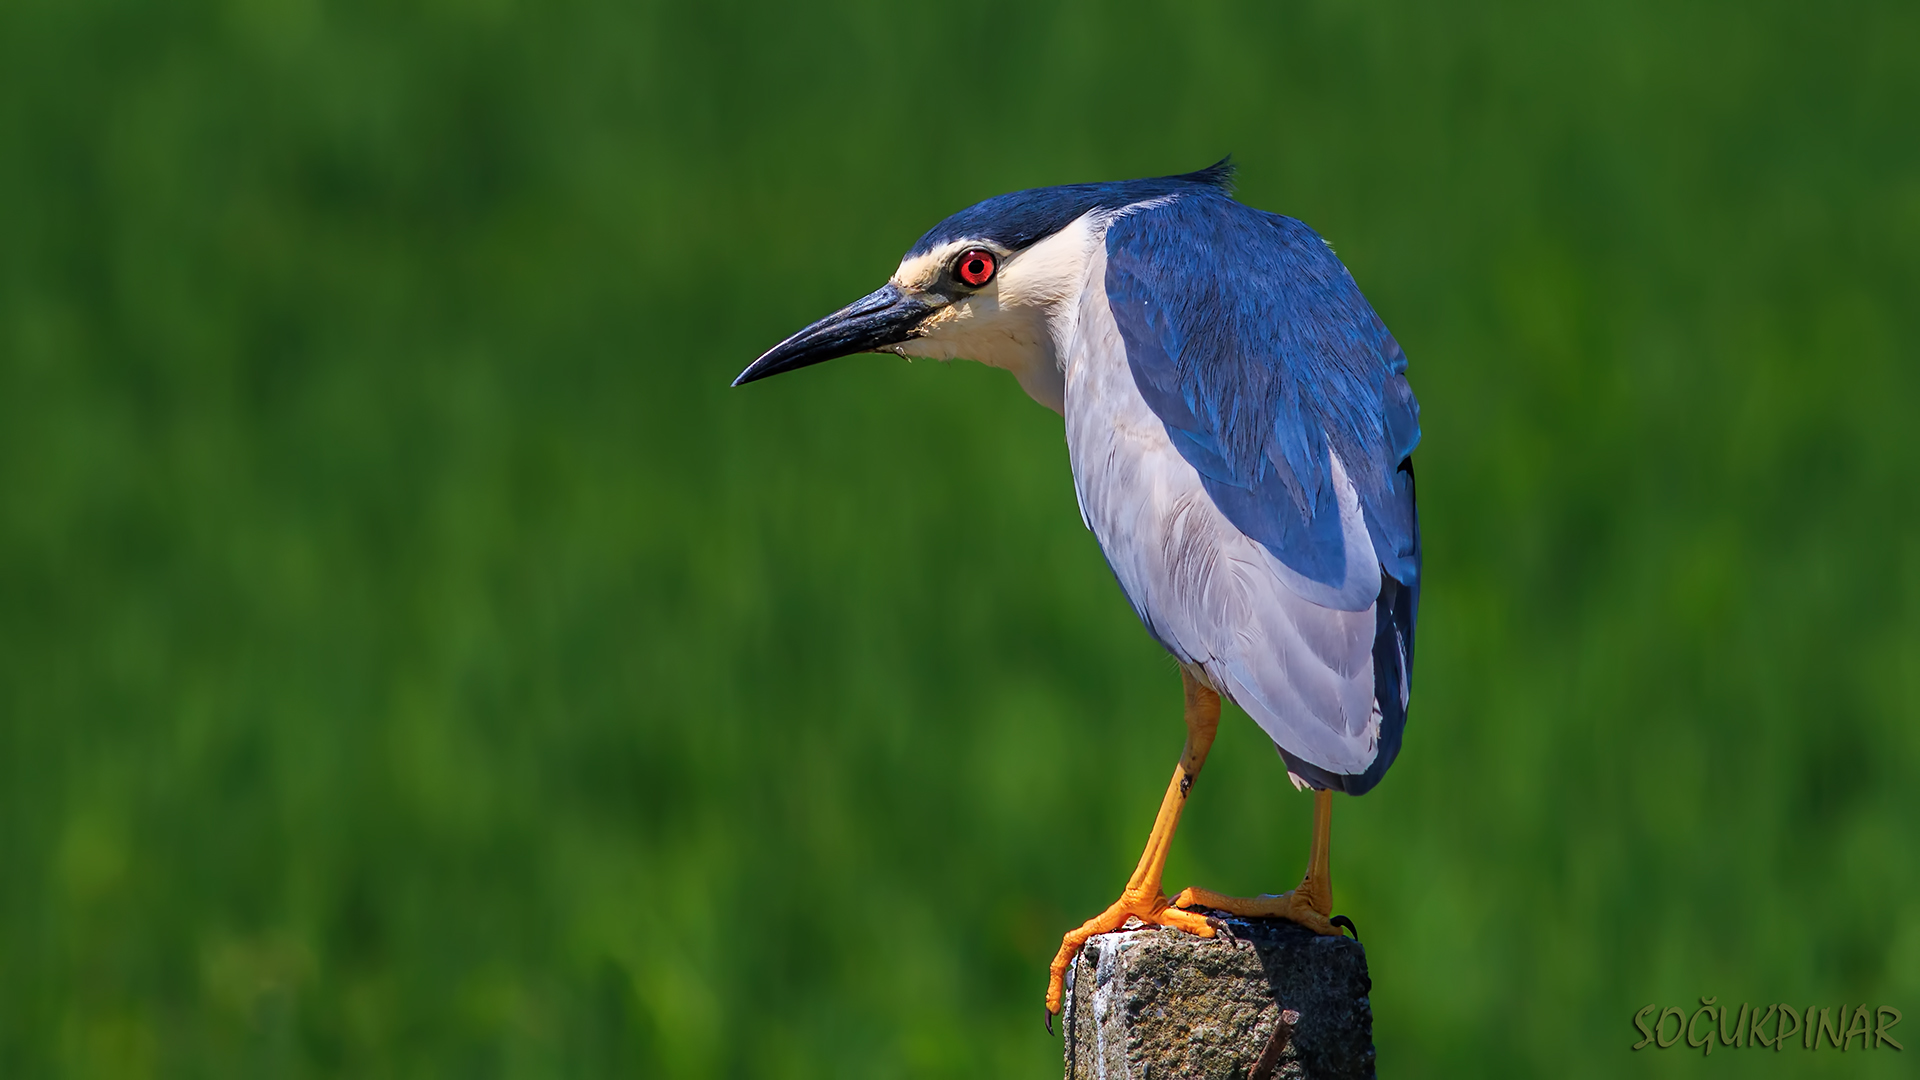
[1049, 1021]
[1342, 920]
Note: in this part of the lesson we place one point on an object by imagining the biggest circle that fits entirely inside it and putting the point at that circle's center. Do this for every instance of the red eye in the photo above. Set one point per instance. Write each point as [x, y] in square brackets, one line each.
[975, 267]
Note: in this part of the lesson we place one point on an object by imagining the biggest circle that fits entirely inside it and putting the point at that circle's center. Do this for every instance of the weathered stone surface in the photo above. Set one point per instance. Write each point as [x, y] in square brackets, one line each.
[1263, 999]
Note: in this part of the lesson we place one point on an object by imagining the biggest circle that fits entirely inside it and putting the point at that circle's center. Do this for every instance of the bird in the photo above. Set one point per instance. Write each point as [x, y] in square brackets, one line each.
[1240, 430]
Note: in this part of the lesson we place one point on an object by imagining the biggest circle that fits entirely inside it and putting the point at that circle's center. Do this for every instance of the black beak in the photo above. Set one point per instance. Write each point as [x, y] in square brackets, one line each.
[873, 322]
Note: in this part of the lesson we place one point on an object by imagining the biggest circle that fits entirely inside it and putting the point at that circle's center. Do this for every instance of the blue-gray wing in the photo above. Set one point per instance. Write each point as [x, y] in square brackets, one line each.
[1252, 344]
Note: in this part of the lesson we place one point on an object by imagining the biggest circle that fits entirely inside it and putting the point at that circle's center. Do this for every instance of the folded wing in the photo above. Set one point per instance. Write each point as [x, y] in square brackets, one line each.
[1279, 385]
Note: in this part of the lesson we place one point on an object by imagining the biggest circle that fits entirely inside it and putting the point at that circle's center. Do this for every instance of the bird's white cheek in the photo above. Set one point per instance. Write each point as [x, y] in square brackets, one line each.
[960, 330]
[943, 336]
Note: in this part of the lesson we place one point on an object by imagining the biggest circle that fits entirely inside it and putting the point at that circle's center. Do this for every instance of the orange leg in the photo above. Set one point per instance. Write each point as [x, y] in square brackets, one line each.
[1142, 898]
[1309, 905]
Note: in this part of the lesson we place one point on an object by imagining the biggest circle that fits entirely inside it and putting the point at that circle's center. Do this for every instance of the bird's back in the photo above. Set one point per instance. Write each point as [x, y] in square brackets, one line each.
[1239, 427]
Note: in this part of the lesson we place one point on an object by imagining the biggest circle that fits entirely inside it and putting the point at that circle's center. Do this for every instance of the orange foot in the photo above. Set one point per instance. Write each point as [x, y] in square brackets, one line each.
[1290, 905]
[1150, 908]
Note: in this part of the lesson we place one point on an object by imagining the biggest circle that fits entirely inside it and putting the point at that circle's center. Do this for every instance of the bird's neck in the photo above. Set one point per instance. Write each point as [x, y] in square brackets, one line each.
[1044, 288]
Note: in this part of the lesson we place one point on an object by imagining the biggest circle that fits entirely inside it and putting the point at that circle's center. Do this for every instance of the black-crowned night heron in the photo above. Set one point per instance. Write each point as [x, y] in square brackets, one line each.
[1240, 430]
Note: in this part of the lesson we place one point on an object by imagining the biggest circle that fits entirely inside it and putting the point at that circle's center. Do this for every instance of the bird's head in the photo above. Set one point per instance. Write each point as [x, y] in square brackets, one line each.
[985, 284]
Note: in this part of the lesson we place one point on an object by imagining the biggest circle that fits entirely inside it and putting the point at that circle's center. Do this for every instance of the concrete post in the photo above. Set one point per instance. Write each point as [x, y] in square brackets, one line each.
[1262, 1000]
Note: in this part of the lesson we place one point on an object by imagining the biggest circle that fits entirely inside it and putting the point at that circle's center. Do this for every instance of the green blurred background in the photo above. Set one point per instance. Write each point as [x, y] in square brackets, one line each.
[416, 661]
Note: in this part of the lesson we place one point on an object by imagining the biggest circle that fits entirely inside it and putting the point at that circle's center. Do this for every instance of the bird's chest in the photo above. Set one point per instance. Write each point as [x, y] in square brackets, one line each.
[1112, 435]
[1142, 500]
[1118, 447]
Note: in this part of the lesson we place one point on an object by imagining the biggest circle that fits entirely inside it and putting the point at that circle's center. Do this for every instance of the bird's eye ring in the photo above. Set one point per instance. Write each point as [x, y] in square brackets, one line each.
[975, 267]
